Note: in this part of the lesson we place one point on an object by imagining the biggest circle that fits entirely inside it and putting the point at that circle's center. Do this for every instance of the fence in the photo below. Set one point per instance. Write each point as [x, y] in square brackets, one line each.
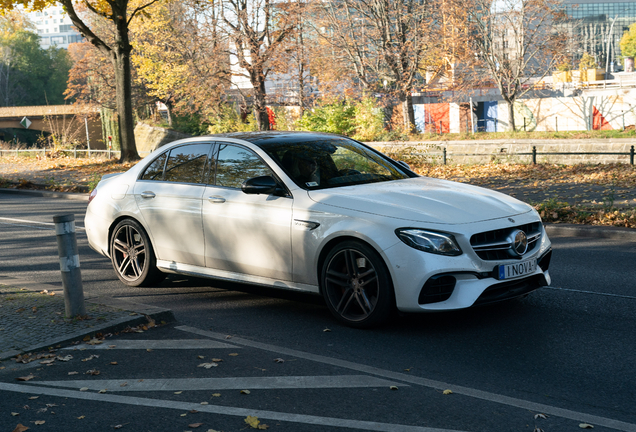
[75, 152]
[534, 153]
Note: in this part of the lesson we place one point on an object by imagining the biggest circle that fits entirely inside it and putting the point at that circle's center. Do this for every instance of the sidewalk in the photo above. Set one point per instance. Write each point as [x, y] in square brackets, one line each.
[32, 317]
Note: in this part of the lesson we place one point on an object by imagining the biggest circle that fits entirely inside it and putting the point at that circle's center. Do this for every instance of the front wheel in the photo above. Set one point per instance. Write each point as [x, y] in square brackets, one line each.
[356, 285]
[132, 256]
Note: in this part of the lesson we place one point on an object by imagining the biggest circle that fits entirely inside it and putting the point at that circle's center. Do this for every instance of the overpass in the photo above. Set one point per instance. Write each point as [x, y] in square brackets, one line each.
[71, 120]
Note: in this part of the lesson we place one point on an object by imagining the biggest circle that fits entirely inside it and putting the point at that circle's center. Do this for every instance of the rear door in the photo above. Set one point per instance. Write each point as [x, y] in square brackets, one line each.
[169, 195]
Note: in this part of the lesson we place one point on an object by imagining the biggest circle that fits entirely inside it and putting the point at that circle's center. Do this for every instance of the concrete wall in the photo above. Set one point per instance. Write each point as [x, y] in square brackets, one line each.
[502, 151]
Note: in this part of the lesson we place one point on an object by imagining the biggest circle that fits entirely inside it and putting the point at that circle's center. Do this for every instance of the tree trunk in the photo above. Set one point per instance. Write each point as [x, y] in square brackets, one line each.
[123, 81]
[511, 115]
[260, 108]
[408, 114]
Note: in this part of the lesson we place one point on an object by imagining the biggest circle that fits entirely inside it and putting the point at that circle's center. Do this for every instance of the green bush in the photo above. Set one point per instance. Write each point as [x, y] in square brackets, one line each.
[337, 118]
[369, 120]
[229, 120]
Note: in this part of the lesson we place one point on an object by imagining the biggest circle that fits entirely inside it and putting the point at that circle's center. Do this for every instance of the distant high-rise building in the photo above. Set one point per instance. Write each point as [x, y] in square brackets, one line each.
[596, 27]
[54, 27]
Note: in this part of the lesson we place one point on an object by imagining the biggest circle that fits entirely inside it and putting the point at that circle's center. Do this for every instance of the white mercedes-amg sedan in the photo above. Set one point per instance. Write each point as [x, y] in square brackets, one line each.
[318, 213]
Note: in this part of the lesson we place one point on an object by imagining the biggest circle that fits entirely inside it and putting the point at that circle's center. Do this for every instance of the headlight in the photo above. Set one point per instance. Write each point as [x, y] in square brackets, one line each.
[429, 241]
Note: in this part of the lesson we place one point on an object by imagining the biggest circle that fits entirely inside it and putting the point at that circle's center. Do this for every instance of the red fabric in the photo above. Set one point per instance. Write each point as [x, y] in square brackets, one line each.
[272, 118]
[599, 122]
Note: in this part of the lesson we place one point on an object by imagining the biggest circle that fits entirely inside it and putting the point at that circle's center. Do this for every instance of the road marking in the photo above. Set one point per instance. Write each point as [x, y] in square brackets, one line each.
[439, 385]
[591, 292]
[234, 383]
[32, 222]
[156, 345]
[223, 410]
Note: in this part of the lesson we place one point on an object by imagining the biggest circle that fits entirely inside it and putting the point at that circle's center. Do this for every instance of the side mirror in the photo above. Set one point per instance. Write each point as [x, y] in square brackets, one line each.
[260, 185]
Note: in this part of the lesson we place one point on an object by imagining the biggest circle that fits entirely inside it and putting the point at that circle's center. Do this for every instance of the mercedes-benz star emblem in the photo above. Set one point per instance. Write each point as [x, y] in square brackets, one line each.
[520, 242]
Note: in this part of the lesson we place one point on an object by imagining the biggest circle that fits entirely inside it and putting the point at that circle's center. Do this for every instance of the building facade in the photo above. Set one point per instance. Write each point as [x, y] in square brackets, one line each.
[596, 27]
[54, 27]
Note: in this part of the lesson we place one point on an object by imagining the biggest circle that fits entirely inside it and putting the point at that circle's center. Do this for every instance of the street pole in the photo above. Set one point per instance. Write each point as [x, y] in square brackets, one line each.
[69, 265]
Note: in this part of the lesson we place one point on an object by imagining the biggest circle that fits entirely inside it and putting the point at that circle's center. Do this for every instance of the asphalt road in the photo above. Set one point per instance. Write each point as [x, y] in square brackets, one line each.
[566, 352]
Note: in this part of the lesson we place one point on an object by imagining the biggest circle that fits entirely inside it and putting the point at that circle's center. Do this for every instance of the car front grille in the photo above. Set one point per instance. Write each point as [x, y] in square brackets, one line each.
[496, 245]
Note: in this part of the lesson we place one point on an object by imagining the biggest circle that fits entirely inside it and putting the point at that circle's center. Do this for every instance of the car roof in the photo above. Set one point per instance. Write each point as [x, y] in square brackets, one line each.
[279, 137]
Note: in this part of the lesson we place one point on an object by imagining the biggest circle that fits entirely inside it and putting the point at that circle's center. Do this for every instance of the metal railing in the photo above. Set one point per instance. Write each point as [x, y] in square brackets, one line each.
[534, 154]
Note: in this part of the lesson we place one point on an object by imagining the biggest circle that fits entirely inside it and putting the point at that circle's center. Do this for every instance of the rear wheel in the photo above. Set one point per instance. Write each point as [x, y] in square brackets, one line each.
[356, 285]
[132, 256]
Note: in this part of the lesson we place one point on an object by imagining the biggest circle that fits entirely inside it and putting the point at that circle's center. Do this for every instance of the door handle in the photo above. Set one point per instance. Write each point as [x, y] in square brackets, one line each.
[216, 199]
[147, 194]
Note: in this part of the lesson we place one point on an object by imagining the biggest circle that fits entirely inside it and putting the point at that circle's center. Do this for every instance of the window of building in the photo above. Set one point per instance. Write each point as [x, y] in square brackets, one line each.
[65, 28]
[57, 40]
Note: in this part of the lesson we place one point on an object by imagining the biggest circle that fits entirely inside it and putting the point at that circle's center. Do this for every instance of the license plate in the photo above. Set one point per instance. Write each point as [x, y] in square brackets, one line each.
[519, 269]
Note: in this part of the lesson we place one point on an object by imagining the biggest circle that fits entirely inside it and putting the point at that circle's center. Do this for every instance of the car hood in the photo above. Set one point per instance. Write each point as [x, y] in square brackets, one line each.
[423, 199]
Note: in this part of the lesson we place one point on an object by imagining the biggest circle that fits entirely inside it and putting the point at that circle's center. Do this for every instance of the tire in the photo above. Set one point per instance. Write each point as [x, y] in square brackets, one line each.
[132, 256]
[356, 285]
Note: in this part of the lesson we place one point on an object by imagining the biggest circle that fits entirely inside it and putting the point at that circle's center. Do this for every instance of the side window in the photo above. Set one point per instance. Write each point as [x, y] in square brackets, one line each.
[236, 164]
[188, 164]
[155, 170]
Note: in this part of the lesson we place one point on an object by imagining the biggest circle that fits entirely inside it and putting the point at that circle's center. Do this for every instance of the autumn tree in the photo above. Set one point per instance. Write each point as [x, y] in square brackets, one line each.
[119, 14]
[628, 42]
[515, 43]
[255, 30]
[382, 42]
[179, 55]
[29, 75]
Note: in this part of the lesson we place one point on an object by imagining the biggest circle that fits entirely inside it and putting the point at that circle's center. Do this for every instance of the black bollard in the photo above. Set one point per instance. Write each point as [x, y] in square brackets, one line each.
[69, 265]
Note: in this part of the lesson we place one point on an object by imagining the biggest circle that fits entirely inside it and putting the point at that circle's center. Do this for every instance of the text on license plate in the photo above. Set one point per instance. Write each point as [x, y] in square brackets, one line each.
[522, 268]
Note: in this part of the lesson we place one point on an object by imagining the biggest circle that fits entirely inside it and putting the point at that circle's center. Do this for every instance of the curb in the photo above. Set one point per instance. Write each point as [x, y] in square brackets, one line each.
[143, 314]
[46, 194]
[591, 231]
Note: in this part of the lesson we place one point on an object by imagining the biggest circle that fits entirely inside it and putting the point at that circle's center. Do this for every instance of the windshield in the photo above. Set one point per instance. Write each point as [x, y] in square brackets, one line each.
[332, 162]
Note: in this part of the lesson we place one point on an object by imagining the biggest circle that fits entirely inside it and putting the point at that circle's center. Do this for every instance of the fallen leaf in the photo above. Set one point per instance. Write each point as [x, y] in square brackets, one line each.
[254, 423]
[149, 350]
[20, 428]
[195, 425]
[183, 415]
[178, 392]
[118, 426]
[200, 357]
[15, 414]
[216, 360]
[39, 422]
[540, 416]
[113, 363]
[81, 417]
[327, 330]
[65, 358]
[208, 365]
[193, 411]
[33, 397]
[73, 373]
[393, 387]
[279, 360]
[26, 378]
[92, 372]
[233, 354]
[447, 392]
[123, 384]
[94, 341]
[204, 403]
[216, 394]
[407, 370]
[586, 426]
[245, 392]
[102, 391]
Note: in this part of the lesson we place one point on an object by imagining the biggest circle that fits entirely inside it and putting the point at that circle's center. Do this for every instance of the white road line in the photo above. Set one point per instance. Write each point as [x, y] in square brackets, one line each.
[466, 391]
[157, 345]
[34, 222]
[222, 410]
[234, 383]
[591, 292]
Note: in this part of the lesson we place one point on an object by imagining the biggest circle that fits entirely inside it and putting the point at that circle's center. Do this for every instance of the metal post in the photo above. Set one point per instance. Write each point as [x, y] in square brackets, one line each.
[631, 156]
[556, 124]
[69, 265]
[445, 154]
[472, 120]
[441, 131]
[75, 152]
[524, 124]
[534, 155]
[623, 115]
[88, 140]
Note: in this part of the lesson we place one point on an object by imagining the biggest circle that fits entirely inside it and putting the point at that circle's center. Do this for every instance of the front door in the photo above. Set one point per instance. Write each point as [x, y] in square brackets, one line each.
[245, 234]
